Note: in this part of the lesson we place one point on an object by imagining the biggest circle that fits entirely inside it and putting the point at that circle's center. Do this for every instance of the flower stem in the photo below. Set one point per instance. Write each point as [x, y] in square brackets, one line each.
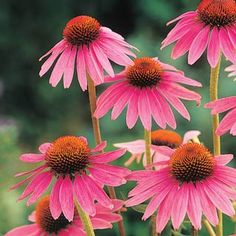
[194, 232]
[98, 139]
[92, 102]
[147, 138]
[208, 227]
[214, 78]
[85, 220]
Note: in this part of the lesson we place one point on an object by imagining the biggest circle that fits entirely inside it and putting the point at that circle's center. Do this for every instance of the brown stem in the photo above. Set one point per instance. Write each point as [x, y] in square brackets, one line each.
[98, 139]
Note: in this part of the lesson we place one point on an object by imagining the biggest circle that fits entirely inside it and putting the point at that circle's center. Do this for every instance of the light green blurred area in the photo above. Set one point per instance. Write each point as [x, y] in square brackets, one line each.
[39, 113]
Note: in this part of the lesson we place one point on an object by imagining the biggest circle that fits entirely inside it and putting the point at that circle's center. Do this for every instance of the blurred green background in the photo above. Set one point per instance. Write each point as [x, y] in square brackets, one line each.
[32, 112]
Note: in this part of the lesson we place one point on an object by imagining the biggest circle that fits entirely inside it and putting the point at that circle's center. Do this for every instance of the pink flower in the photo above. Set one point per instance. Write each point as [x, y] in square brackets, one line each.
[232, 70]
[80, 174]
[194, 183]
[211, 26]
[229, 121]
[146, 88]
[88, 46]
[159, 138]
[45, 225]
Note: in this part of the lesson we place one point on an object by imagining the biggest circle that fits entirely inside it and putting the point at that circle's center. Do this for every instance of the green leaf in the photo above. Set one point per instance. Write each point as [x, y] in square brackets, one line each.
[140, 208]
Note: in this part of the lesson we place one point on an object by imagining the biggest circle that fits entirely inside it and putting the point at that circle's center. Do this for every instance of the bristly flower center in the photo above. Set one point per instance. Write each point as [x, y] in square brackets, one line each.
[68, 154]
[81, 30]
[217, 12]
[45, 220]
[166, 138]
[146, 72]
[191, 162]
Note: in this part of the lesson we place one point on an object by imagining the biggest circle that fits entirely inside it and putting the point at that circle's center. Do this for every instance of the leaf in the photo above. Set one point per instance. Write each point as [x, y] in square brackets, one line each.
[140, 208]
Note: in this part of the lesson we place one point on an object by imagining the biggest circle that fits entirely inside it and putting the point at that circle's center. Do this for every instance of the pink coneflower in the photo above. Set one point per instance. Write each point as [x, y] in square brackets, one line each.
[229, 121]
[194, 182]
[45, 225]
[80, 173]
[146, 88]
[88, 46]
[211, 26]
[232, 70]
[159, 137]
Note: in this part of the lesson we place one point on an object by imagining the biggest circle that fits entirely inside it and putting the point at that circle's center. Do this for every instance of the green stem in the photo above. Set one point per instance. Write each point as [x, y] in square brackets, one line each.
[215, 123]
[98, 139]
[85, 220]
[147, 138]
[208, 227]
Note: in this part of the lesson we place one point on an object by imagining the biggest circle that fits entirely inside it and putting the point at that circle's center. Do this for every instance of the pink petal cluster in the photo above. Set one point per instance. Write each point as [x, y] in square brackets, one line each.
[85, 188]
[173, 200]
[194, 36]
[92, 58]
[103, 219]
[148, 102]
[228, 123]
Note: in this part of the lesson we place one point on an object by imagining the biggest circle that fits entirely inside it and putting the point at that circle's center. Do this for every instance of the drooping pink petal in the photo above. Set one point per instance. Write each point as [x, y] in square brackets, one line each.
[83, 195]
[40, 189]
[157, 200]
[165, 208]
[23, 230]
[121, 171]
[198, 45]
[69, 69]
[194, 206]
[98, 192]
[59, 67]
[81, 69]
[226, 45]
[179, 209]
[110, 217]
[157, 111]
[224, 159]
[178, 31]
[169, 116]
[105, 102]
[66, 198]
[100, 223]
[101, 56]
[137, 146]
[121, 103]
[99, 147]
[221, 105]
[184, 43]
[144, 109]
[176, 103]
[56, 50]
[107, 178]
[117, 57]
[132, 110]
[38, 180]
[54, 204]
[184, 15]
[107, 156]
[140, 175]
[226, 123]
[32, 172]
[44, 147]
[93, 67]
[232, 35]
[218, 199]
[209, 210]
[179, 78]
[31, 157]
